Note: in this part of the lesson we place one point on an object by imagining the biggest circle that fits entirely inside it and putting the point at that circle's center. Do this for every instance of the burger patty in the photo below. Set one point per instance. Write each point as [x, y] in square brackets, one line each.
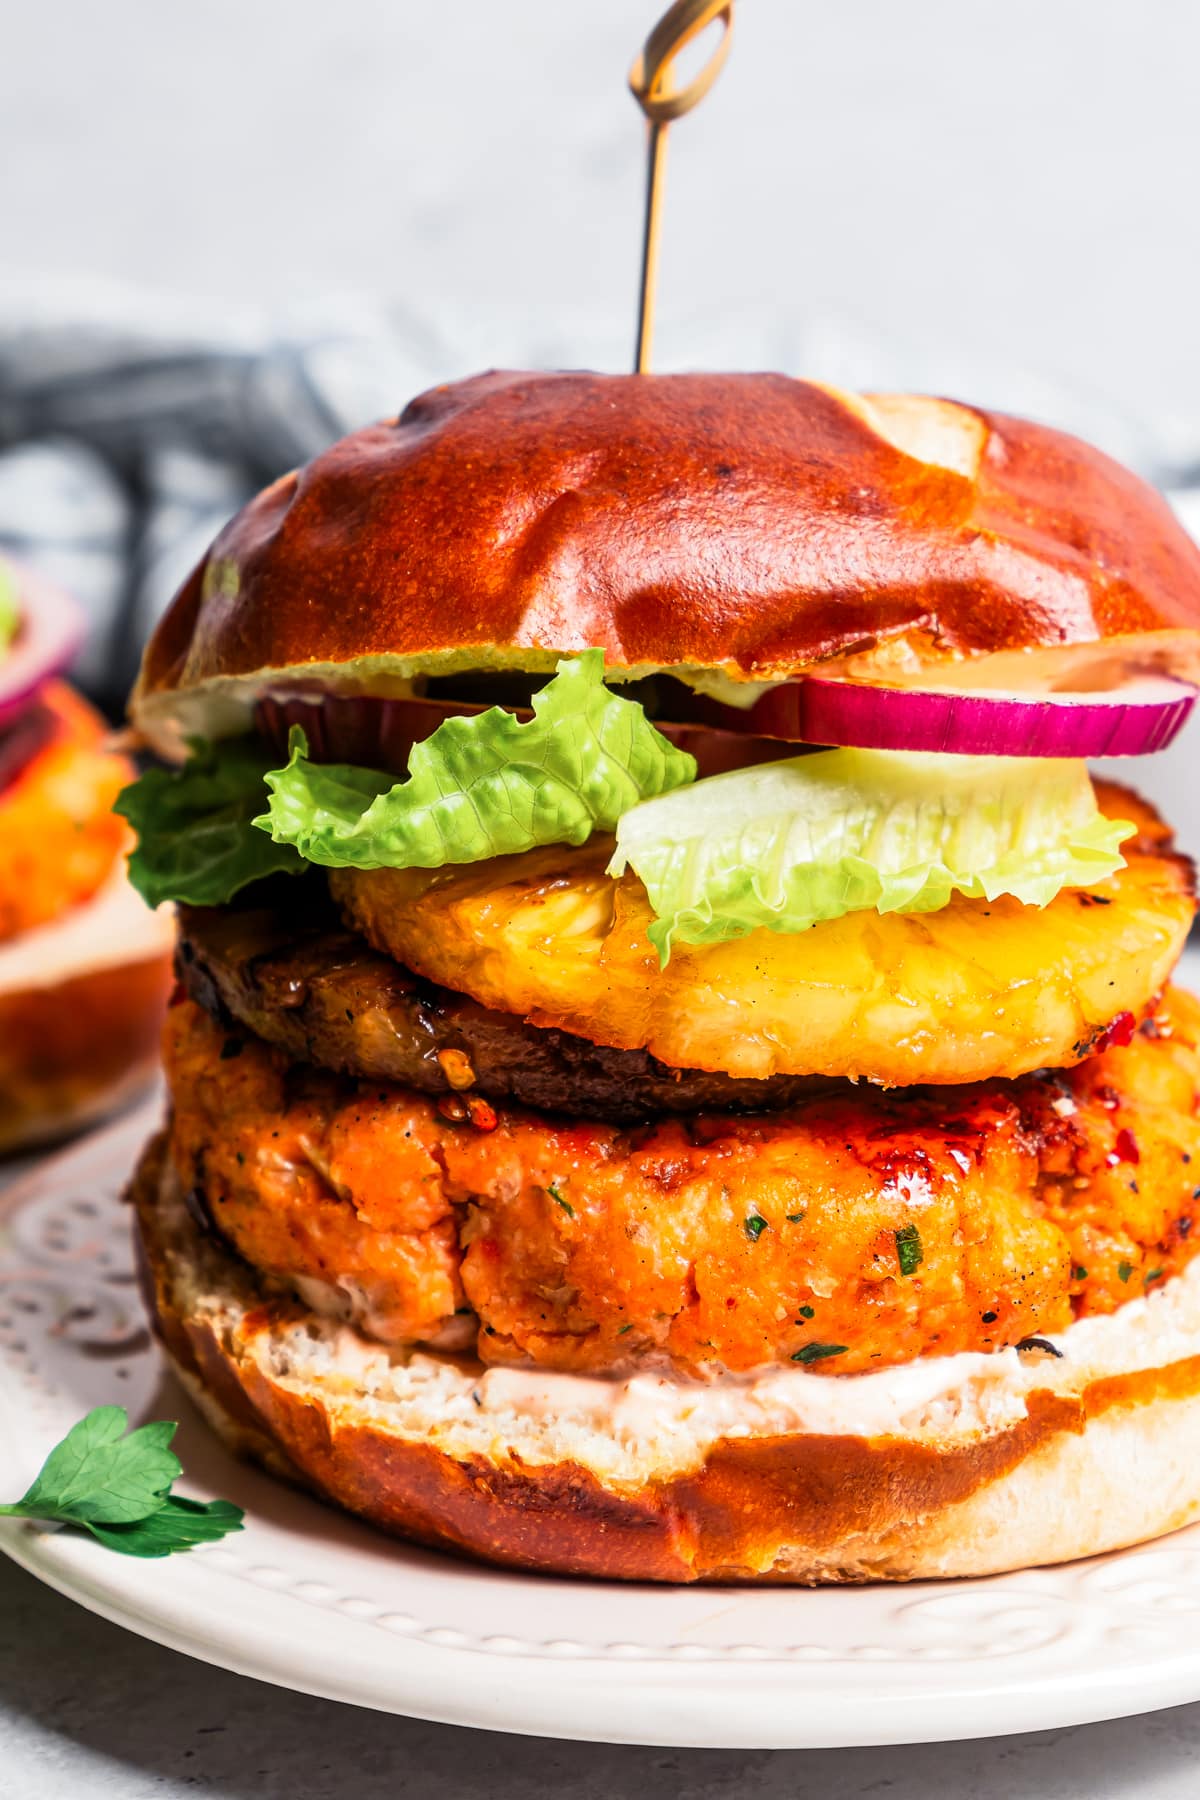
[293, 974]
[846, 1232]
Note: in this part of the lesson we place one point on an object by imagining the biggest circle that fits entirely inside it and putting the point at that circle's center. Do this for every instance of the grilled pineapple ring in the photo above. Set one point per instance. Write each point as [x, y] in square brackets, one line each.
[977, 990]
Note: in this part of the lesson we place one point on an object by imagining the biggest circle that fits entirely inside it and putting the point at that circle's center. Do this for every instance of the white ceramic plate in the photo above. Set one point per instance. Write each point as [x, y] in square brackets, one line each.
[312, 1600]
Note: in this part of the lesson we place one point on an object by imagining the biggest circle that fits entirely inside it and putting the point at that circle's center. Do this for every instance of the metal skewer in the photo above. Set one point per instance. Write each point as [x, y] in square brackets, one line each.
[656, 94]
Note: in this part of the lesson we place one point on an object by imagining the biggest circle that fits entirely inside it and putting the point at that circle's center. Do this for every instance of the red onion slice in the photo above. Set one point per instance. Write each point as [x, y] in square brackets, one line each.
[375, 733]
[363, 729]
[1133, 720]
[24, 739]
[48, 637]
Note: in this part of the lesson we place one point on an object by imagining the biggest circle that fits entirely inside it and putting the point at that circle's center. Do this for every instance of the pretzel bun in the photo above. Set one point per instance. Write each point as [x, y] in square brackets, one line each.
[958, 1466]
[81, 1008]
[752, 525]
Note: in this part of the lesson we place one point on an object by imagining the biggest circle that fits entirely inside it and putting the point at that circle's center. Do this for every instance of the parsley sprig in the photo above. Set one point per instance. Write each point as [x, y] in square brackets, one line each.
[116, 1484]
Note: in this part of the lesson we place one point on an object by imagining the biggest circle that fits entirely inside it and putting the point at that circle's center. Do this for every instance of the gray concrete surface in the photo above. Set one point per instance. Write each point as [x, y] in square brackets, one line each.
[88, 1710]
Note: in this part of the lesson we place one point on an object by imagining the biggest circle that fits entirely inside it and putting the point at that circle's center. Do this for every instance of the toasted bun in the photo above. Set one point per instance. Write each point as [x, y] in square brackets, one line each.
[81, 1007]
[954, 1466]
[752, 525]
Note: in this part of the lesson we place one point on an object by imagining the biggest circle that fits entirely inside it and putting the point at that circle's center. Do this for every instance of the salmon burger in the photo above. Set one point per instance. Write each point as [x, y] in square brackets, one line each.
[675, 1071]
[85, 969]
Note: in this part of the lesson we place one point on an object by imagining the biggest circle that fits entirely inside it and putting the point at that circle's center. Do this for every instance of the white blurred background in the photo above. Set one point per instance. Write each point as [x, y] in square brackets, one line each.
[994, 201]
[1010, 185]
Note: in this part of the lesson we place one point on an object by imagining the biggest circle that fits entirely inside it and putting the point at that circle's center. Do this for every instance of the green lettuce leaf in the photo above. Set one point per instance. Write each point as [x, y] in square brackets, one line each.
[10, 614]
[787, 844]
[196, 838]
[485, 785]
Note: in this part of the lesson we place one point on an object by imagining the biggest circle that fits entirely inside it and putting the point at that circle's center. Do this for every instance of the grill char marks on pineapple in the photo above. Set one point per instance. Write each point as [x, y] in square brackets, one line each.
[977, 990]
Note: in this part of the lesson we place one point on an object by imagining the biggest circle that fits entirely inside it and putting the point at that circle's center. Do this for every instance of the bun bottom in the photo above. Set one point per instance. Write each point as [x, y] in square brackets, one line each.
[1088, 1462]
[81, 1017]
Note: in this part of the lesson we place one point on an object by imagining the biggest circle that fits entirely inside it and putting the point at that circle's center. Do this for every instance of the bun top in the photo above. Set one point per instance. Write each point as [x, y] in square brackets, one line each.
[750, 525]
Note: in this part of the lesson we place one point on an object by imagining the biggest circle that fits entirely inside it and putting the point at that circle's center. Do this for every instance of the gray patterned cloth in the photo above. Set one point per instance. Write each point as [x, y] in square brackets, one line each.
[130, 432]
[125, 444]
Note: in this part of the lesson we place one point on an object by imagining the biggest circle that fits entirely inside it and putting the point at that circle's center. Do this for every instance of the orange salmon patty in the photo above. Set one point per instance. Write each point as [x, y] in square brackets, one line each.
[845, 1233]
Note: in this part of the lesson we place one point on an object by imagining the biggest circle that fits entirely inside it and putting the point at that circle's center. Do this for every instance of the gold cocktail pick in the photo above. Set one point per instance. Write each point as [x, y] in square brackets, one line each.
[661, 101]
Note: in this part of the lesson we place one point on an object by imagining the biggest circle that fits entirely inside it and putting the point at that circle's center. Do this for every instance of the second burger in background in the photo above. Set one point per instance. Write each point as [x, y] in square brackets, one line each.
[85, 968]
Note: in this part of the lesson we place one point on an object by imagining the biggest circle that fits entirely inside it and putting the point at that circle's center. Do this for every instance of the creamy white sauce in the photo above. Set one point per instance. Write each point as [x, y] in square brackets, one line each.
[933, 1394]
[115, 926]
[224, 705]
[714, 684]
[654, 1425]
